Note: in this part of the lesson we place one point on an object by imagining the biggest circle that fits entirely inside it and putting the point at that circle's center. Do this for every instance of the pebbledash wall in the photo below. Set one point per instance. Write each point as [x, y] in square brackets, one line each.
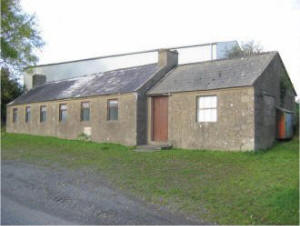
[123, 130]
[234, 129]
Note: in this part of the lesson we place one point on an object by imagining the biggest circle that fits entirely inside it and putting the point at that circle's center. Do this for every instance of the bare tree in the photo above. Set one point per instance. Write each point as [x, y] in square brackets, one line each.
[247, 49]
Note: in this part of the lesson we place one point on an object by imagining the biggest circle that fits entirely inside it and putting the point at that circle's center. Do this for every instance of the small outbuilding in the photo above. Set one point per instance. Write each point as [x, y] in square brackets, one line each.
[224, 104]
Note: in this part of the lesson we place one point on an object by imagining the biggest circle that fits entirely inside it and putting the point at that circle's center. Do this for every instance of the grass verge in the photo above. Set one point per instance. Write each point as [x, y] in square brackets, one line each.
[221, 187]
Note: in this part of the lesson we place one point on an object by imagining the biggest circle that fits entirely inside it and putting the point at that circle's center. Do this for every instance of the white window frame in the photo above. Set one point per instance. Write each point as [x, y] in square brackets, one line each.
[211, 107]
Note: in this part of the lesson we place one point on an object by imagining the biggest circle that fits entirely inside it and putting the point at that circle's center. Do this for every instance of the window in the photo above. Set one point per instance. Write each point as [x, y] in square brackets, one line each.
[15, 115]
[63, 112]
[43, 113]
[27, 114]
[207, 109]
[85, 111]
[112, 110]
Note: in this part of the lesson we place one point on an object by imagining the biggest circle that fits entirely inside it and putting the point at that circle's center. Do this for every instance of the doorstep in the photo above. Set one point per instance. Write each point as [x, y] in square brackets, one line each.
[152, 147]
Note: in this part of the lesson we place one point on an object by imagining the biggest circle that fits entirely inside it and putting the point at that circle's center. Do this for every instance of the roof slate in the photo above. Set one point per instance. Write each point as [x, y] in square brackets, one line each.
[224, 73]
[117, 81]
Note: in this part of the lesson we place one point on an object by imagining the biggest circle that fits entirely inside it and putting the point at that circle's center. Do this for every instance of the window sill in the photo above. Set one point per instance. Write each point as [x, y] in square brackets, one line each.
[206, 123]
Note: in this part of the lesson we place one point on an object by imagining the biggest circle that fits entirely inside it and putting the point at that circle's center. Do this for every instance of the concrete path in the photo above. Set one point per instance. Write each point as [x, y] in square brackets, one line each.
[15, 213]
[38, 195]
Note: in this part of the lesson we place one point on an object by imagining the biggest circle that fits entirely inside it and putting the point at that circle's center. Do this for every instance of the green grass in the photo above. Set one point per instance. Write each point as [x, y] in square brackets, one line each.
[221, 187]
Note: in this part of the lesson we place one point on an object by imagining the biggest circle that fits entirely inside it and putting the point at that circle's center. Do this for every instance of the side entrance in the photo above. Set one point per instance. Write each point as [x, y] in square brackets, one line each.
[160, 119]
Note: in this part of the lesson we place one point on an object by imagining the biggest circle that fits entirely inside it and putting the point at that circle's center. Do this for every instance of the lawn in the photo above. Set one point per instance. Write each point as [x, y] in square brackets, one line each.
[220, 187]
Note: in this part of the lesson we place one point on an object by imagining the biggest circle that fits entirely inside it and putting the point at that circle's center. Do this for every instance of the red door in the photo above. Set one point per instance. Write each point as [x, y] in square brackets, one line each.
[160, 119]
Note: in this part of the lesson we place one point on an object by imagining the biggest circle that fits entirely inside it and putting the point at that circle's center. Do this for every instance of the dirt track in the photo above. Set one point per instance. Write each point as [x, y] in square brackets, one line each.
[40, 195]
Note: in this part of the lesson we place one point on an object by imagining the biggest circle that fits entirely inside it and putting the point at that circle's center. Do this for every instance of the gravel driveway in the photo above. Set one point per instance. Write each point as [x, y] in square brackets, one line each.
[61, 196]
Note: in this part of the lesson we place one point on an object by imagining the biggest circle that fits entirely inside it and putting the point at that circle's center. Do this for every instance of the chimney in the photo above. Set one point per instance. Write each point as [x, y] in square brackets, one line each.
[38, 80]
[167, 58]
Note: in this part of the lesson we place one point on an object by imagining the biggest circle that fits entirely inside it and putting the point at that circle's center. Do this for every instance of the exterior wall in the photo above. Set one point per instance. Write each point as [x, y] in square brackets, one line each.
[141, 119]
[234, 129]
[267, 97]
[121, 131]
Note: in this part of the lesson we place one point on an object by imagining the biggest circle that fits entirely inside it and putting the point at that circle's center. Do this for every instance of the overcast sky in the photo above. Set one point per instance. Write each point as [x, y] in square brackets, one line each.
[75, 29]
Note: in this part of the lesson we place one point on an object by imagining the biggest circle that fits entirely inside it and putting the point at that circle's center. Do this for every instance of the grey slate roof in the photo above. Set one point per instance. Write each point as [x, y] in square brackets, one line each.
[117, 81]
[216, 74]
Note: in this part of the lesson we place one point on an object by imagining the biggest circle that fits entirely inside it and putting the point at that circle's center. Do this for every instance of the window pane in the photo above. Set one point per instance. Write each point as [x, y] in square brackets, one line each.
[15, 114]
[63, 112]
[85, 105]
[85, 115]
[207, 115]
[113, 103]
[64, 116]
[200, 116]
[27, 114]
[63, 107]
[85, 111]
[203, 102]
[113, 110]
[213, 115]
[213, 101]
[43, 114]
[113, 113]
[207, 102]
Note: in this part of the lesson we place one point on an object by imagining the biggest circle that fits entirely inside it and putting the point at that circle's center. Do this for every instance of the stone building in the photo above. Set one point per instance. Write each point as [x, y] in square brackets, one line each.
[223, 104]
